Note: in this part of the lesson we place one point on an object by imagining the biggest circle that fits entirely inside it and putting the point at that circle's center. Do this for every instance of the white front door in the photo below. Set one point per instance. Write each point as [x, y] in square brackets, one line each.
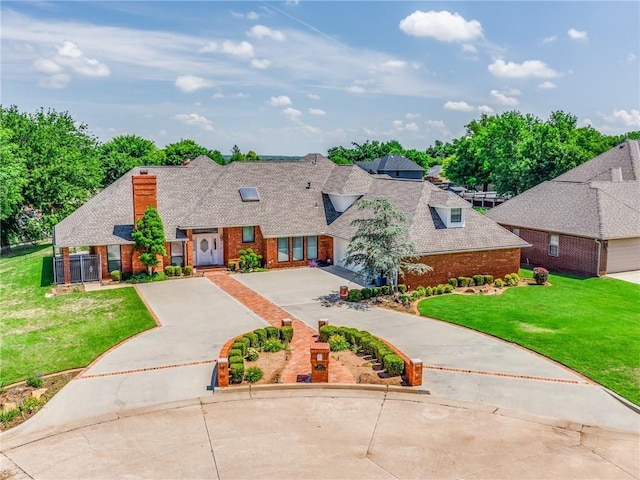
[208, 249]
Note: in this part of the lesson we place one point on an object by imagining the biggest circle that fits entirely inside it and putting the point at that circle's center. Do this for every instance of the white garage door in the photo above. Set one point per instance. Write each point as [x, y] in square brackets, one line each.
[339, 252]
[623, 255]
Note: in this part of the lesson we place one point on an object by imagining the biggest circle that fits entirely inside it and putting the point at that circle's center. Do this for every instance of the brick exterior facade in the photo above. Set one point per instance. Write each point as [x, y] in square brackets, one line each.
[325, 251]
[466, 264]
[575, 254]
[145, 194]
[232, 243]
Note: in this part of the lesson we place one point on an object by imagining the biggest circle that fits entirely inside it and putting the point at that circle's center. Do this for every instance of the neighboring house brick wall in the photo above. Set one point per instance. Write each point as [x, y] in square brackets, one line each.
[466, 264]
[232, 243]
[575, 254]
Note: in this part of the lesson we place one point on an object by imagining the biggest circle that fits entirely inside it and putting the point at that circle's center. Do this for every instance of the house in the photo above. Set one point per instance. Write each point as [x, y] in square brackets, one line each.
[435, 175]
[290, 213]
[393, 165]
[585, 221]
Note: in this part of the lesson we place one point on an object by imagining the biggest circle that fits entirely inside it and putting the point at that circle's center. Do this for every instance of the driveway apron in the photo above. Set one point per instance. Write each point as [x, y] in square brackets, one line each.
[460, 364]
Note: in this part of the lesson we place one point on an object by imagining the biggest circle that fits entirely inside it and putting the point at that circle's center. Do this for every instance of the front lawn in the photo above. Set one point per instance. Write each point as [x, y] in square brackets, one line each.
[589, 324]
[47, 335]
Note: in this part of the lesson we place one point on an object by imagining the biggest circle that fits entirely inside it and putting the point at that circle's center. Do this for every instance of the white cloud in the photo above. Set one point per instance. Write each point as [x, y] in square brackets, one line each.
[313, 96]
[391, 66]
[261, 31]
[469, 47]
[69, 49]
[46, 65]
[444, 26]
[195, 120]
[260, 64]
[412, 116]
[292, 113]
[629, 118]
[55, 81]
[577, 34]
[240, 95]
[355, 89]
[511, 91]
[217, 95]
[502, 99]
[412, 127]
[235, 49]
[279, 101]
[191, 83]
[437, 125]
[547, 85]
[458, 106]
[485, 109]
[631, 57]
[249, 15]
[317, 111]
[550, 39]
[397, 124]
[528, 68]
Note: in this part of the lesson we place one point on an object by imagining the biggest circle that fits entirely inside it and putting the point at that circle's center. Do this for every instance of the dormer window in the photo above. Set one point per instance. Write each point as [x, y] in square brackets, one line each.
[456, 215]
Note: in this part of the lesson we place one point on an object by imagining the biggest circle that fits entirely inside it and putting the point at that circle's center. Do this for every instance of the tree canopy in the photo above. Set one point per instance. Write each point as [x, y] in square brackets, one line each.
[187, 149]
[381, 245]
[122, 153]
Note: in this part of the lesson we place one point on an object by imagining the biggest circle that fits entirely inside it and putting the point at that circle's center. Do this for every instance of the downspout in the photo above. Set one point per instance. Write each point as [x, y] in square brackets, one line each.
[598, 262]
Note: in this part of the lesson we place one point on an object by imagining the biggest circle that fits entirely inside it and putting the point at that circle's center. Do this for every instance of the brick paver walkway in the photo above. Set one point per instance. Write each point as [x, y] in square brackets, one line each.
[303, 335]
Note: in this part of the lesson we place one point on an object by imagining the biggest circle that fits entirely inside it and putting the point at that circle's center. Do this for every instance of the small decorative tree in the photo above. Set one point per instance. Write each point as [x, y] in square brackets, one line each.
[381, 245]
[149, 237]
[249, 260]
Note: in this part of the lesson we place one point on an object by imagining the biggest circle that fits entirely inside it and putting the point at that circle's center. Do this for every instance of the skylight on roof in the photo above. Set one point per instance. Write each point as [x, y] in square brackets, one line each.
[249, 194]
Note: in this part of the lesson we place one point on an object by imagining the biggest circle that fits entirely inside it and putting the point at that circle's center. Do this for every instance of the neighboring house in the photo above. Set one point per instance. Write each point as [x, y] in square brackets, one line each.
[290, 213]
[434, 175]
[394, 165]
[585, 221]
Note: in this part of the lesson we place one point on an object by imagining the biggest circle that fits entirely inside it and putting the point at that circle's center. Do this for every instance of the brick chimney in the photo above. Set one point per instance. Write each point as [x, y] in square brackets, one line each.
[145, 194]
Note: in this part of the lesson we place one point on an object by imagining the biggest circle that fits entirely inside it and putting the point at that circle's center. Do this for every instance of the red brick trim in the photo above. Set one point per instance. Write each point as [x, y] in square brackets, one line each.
[147, 369]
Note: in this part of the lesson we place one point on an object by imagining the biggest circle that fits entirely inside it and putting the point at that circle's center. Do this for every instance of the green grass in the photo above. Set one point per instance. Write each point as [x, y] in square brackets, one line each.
[48, 335]
[591, 325]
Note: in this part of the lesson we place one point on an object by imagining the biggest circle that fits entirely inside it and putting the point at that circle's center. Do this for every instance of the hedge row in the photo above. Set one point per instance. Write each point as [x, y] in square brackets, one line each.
[367, 343]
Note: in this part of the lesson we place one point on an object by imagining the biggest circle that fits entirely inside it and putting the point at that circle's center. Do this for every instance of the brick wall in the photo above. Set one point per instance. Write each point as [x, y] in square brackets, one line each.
[127, 253]
[189, 249]
[325, 251]
[575, 254]
[144, 194]
[102, 251]
[466, 264]
[232, 243]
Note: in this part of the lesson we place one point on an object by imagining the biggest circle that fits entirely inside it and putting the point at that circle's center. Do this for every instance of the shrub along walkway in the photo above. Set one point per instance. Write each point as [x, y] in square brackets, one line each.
[299, 365]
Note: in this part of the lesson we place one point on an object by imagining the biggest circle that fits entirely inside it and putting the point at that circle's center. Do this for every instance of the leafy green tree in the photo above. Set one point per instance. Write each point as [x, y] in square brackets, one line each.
[124, 152]
[149, 237]
[252, 156]
[187, 149]
[13, 177]
[236, 155]
[381, 245]
[61, 170]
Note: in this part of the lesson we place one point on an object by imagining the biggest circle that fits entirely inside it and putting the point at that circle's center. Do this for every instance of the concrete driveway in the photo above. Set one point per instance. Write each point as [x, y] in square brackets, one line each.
[632, 276]
[171, 363]
[504, 375]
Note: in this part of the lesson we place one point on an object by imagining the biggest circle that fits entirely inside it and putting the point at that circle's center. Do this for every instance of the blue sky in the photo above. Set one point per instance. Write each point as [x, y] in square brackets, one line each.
[297, 77]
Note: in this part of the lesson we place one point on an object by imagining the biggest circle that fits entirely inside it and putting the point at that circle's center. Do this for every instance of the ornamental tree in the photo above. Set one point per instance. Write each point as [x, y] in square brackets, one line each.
[149, 238]
[381, 244]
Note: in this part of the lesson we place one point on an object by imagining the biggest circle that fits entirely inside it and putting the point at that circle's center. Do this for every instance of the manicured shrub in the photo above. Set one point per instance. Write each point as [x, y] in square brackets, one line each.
[235, 352]
[365, 343]
[393, 364]
[252, 354]
[354, 295]
[541, 275]
[253, 374]
[338, 343]
[376, 291]
[404, 299]
[286, 334]
[386, 290]
[366, 293]
[422, 291]
[478, 280]
[465, 282]
[158, 277]
[380, 350]
[236, 359]
[326, 331]
[254, 341]
[188, 270]
[415, 294]
[272, 332]
[498, 283]
[35, 381]
[453, 282]
[238, 345]
[232, 266]
[488, 279]
[448, 288]
[262, 335]
[439, 290]
[272, 345]
[401, 288]
[168, 270]
[249, 260]
[177, 271]
[116, 275]
[236, 372]
[511, 279]
[428, 292]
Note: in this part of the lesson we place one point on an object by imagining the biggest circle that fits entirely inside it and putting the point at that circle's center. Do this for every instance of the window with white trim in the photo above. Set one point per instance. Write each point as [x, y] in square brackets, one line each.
[114, 259]
[177, 254]
[248, 235]
[554, 242]
[456, 215]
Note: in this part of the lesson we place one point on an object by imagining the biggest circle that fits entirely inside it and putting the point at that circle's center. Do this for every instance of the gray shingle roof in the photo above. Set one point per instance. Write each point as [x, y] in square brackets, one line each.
[391, 162]
[293, 201]
[584, 201]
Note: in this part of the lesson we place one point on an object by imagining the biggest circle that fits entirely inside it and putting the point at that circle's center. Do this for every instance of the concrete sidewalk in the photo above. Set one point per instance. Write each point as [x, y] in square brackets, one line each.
[326, 434]
[503, 375]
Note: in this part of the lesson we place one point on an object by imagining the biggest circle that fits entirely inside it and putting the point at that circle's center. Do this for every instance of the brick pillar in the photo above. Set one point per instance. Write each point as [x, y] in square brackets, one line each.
[188, 257]
[144, 194]
[414, 372]
[286, 322]
[322, 322]
[320, 363]
[223, 372]
[66, 265]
